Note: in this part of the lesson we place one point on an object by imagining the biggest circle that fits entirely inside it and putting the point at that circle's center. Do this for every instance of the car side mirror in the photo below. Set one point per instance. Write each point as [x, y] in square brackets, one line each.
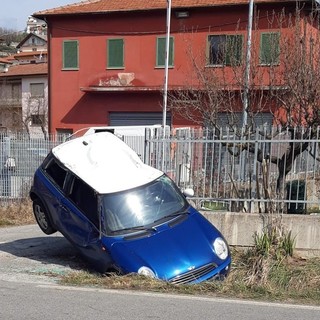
[189, 192]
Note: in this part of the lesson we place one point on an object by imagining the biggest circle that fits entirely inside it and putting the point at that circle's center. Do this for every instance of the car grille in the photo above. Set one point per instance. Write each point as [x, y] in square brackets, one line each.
[193, 275]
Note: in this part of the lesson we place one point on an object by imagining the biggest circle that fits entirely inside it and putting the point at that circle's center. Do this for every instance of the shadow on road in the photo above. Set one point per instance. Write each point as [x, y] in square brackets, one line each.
[47, 250]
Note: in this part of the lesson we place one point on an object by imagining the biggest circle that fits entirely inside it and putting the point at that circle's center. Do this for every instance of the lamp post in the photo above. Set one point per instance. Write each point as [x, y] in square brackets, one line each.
[246, 86]
[165, 88]
[247, 70]
[166, 68]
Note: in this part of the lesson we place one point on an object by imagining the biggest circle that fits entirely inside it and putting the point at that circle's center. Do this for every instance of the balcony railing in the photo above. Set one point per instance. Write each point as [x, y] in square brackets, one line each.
[16, 102]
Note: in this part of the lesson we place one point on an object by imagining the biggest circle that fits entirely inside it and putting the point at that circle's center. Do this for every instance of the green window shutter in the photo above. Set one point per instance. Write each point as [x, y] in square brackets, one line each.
[233, 50]
[171, 52]
[70, 54]
[270, 48]
[115, 53]
[161, 51]
[238, 49]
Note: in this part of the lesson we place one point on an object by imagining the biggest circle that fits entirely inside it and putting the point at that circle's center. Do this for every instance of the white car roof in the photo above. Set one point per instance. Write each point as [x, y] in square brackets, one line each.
[105, 162]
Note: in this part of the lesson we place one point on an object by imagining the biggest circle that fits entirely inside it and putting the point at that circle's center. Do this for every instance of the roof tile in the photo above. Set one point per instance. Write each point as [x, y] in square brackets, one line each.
[5, 60]
[31, 54]
[26, 70]
[99, 6]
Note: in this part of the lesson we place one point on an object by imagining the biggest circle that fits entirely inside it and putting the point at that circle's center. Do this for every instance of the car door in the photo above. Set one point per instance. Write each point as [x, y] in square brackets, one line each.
[51, 188]
[79, 213]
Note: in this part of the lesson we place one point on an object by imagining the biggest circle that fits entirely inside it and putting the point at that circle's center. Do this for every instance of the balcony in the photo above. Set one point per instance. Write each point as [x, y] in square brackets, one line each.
[10, 102]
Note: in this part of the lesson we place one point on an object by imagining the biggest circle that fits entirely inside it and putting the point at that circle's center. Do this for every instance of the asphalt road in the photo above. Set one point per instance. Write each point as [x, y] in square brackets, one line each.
[30, 262]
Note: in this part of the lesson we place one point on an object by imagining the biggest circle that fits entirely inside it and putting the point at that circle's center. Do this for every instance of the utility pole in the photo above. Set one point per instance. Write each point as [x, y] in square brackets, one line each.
[247, 70]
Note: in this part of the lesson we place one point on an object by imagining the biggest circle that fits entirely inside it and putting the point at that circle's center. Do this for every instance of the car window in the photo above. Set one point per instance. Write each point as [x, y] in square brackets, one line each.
[85, 198]
[56, 172]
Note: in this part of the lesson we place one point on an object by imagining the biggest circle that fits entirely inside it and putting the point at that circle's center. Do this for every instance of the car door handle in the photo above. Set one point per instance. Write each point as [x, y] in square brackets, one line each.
[63, 207]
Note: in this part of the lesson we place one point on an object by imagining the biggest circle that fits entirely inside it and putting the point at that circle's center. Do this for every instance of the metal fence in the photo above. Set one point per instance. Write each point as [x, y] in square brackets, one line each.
[234, 172]
[20, 156]
[227, 171]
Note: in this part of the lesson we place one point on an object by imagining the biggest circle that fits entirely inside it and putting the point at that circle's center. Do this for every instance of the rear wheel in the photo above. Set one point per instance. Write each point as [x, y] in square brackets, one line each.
[42, 217]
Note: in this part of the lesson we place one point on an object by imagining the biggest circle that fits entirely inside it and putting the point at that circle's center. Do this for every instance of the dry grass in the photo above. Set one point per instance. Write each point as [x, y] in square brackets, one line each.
[293, 280]
[16, 213]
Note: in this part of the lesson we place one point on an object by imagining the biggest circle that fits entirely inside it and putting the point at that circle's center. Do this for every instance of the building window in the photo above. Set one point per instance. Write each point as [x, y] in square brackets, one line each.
[37, 119]
[270, 48]
[62, 134]
[161, 52]
[225, 50]
[115, 53]
[70, 55]
[14, 91]
[37, 90]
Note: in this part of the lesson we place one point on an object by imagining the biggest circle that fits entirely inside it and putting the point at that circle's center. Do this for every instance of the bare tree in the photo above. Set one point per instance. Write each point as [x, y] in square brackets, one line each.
[284, 81]
[296, 89]
[35, 113]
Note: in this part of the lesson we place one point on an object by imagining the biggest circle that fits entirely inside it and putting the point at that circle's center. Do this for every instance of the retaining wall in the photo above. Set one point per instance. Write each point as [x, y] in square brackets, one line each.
[239, 228]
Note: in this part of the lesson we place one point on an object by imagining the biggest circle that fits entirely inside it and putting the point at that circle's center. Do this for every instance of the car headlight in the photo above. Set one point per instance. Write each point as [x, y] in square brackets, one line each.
[145, 271]
[220, 248]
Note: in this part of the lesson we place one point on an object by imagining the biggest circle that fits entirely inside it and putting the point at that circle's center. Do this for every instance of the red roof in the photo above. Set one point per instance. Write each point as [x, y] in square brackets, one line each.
[100, 6]
[30, 54]
[28, 69]
[5, 60]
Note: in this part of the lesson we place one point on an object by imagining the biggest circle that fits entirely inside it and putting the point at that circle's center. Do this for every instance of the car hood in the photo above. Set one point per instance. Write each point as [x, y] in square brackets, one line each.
[170, 250]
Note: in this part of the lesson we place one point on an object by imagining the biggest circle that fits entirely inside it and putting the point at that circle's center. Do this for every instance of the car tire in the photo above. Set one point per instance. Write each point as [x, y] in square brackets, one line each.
[42, 217]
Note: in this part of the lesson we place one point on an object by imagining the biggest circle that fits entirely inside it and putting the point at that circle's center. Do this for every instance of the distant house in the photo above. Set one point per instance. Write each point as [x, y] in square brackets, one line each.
[107, 58]
[24, 84]
[36, 26]
[33, 43]
[23, 98]
[29, 57]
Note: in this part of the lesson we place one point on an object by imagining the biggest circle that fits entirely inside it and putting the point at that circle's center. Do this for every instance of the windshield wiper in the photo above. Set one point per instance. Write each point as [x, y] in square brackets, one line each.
[173, 215]
[135, 228]
[176, 214]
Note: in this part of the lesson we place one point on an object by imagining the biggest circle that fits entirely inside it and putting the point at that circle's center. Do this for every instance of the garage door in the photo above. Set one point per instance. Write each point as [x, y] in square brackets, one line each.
[260, 119]
[137, 118]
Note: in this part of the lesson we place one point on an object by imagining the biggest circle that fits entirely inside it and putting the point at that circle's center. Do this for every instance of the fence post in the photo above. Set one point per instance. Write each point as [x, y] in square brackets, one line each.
[147, 137]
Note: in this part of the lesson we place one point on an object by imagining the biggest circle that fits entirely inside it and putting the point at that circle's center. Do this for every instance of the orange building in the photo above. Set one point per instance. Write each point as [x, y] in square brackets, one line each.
[106, 58]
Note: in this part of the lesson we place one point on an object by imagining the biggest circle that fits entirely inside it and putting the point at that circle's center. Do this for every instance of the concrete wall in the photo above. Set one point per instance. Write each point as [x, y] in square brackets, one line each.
[239, 228]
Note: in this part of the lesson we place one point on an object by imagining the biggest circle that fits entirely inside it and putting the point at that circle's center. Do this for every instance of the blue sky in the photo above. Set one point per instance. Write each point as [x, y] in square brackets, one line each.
[14, 13]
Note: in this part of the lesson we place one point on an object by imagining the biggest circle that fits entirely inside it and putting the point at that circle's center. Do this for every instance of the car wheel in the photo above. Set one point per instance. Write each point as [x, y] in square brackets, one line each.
[42, 217]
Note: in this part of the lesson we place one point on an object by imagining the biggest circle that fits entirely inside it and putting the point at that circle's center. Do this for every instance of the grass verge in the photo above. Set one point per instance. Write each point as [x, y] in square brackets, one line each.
[17, 213]
[292, 280]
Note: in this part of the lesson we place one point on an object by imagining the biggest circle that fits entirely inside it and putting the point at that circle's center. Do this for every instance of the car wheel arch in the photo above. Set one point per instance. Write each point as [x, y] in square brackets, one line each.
[38, 199]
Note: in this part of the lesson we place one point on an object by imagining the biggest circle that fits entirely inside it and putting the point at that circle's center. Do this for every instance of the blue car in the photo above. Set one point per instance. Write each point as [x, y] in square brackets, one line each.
[124, 215]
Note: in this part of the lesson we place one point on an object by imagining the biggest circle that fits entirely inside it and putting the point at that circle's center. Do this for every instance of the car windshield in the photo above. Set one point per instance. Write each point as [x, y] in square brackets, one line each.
[142, 207]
